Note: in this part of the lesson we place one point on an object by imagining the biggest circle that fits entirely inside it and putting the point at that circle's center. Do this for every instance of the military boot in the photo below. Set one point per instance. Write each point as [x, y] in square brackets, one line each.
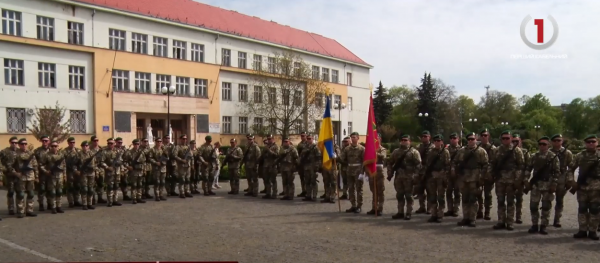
[53, 210]
[449, 213]
[77, 204]
[519, 221]
[59, 210]
[91, 207]
[303, 194]
[371, 212]
[471, 223]
[581, 234]
[379, 212]
[557, 223]
[487, 215]
[41, 207]
[593, 235]
[141, 201]
[432, 219]
[407, 217]
[398, 216]
[463, 222]
[263, 191]
[267, 196]
[162, 198]
[479, 214]
[350, 210]
[282, 194]
[246, 190]
[126, 197]
[499, 226]
[327, 200]
[421, 210]
[248, 194]
[101, 200]
[344, 197]
[30, 214]
[322, 196]
[543, 230]
[188, 195]
[534, 229]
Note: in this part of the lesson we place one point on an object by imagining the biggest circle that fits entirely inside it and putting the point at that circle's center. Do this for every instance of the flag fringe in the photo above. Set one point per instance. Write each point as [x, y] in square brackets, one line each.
[368, 162]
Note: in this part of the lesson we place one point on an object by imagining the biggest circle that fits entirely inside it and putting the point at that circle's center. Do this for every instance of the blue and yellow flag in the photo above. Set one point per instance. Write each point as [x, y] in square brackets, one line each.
[326, 137]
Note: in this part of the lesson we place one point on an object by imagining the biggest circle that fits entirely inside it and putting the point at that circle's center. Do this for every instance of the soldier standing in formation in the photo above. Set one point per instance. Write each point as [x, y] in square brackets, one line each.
[543, 183]
[587, 188]
[565, 158]
[251, 160]
[471, 164]
[100, 182]
[405, 164]
[111, 161]
[135, 160]
[453, 190]
[424, 150]
[7, 157]
[183, 156]
[344, 172]
[158, 157]
[377, 208]
[25, 167]
[516, 141]
[122, 177]
[353, 157]
[232, 160]
[288, 156]
[330, 176]
[485, 197]
[53, 167]
[147, 174]
[86, 175]
[208, 158]
[171, 180]
[301, 146]
[310, 162]
[40, 187]
[271, 155]
[438, 167]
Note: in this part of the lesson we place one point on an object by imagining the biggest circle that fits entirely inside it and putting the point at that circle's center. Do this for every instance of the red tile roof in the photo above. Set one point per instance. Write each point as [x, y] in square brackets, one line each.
[231, 22]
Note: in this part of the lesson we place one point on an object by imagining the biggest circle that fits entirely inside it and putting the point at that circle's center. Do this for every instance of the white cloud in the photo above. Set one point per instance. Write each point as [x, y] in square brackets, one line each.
[466, 43]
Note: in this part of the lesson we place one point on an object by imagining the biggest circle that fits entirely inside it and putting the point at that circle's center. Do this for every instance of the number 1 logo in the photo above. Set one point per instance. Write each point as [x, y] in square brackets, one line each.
[539, 23]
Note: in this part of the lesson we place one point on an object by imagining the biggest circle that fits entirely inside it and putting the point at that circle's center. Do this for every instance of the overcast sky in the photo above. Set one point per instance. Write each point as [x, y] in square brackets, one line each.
[467, 44]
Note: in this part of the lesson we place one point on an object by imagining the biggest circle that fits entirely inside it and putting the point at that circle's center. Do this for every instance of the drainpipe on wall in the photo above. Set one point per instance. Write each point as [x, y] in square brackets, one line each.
[93, 14]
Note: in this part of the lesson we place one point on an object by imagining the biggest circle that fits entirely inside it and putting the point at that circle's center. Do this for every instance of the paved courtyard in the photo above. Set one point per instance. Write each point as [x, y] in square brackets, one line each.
[245, 229]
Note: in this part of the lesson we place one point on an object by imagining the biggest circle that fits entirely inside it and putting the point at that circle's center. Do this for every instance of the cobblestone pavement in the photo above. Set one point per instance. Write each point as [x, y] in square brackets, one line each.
[246, 229]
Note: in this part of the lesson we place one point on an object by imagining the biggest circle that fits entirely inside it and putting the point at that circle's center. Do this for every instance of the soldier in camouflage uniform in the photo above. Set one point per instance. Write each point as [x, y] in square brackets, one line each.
[310, 162]
[195, 171]
[232, 159]
[208, 158]
[271, 155]
[171, 180]
[7, 158]
[71, 154]
[471, 163]
[565, 158]
[124, 175]
[352, 156]
[453, 191]
[100, 184]
[405, 163]
[546, 169]
[111, 160]
[438, 163]
[587, 188]
[288, 161]
[147, 170]
[251, 160]
[40, 187]
[377, 207]
[25, 168]
[53, 167]
[516, 141]
[158, 158]
[183, 155]
[301, 146]
[330, 177]
[87, 172]
[344, 172]
[507, 167]
[485, 197]
[424, 148]
[135, 159]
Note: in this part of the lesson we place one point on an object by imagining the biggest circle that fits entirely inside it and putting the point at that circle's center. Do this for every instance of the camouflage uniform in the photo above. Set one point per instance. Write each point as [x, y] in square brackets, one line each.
[73, 189]
[25, 167]
[344, 177]
[405, 175]
[208, 157]
[329, 178]
[509, 179]
[235, 155]
[183, 156]
[588, 192]
[289, 160]
[424, 151]
[485, 197]
[565, 158]
[171, 180]
[53, 166]
[111, 161]
[7, 157]
[353, 157]
[261, 166]
[438, 162]
[136, 161]
[124, 175]
[86, 177]
[453, 191]
[147, 173]
[40, 187]
[544, 189]
[271, 171]
[301, 146]
[379, 178]
[471, 164]
[158, 158]
[519, 191]
[100, 185]
[310, 162]
[252, 156]
[195, 173]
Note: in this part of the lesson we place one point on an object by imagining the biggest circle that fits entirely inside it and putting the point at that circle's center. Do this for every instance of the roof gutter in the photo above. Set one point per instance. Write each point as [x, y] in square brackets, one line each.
[131, 14]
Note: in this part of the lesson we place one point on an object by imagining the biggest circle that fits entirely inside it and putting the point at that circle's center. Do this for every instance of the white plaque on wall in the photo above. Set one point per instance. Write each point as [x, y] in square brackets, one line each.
[214, 128]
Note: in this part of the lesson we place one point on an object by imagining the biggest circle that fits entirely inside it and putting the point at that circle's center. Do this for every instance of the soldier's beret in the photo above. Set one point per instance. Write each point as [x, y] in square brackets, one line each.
[270, 136]
[303, 133]
[22, 140]
[208, 138]
[118, 139]
[84, 143]
[425, 132]
[183, 136]
[264, 140]
[484, 130]
[556, 136]
[354, 133]
[93, 138]
[249, 135]
[438, 137]
[544, 138]
[591, 136]
[453, 135]
[53, 142]
[144, 139]
[405, 136]
[13, 138]
[286, 138]
[135, 141]
[506, 132]
[166, 136]
[71, 139]
[193, 142]
[516, 135]
[44, 137]
[233, 140]
[346, 138]
[158, 139]
[110, 139]
[470, 134]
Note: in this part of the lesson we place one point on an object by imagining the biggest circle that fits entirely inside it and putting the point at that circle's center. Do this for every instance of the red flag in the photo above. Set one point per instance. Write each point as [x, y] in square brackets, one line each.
[372, 143]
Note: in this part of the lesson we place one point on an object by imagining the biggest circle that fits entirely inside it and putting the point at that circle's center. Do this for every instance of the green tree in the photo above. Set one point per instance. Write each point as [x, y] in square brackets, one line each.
[398, 94]
[403, 116]
[426, 103]
[577, 118]
[50, 121]
[381, 105]
[495, 108]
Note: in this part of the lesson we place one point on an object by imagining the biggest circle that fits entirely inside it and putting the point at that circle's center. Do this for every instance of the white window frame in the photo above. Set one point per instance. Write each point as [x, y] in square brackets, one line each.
[160, 46]
[298, 98]
[117, 39]
[350, 127]
[349, 78]
[201, 88]
[76, 78]
[226, 57]
[179, 50]
[16, 120]
[242, 58]
[78, 121]
[120, 80]
[46, 75]
[257, 62]
[316, 72]
[226, 91]
[298, 126]
[226, 124]
[11, 23]
[272, 65]
[243, 125]
[197, 52]
[14, 72]
[143, 82]
[139, 43]
[45, 28]
[272, 96]
[273, 125]
[325, 74]
[350, 103]
[182, 86]
[258, 124]
[162, 81]
[75, 30]
[335, 78]
[243, 92]
[258, 94]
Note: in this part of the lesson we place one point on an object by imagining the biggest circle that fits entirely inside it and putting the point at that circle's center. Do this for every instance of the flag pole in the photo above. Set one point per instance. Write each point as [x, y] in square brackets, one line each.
[337, 186]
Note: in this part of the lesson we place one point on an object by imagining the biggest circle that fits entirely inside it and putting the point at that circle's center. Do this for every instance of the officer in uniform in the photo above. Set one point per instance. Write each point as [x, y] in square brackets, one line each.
[485, 197]
[40, 186]
[471, 164]
[587, 188]
[424, 150]
[353, 157]
[53, 167]
[25, 169]
[565, 157]
[208, 157]
[453, 191]
[344, 172]
[147, 170]
[301, 146]
[100, 184]
[251, 163]
[516, 141]
[7, 157]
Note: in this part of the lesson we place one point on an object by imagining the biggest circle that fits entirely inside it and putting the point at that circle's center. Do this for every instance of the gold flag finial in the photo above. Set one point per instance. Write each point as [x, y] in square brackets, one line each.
[371, 87]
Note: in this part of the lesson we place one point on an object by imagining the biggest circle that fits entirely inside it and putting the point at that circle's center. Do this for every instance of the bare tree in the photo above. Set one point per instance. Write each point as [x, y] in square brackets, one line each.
[50, 121]
[286, 94]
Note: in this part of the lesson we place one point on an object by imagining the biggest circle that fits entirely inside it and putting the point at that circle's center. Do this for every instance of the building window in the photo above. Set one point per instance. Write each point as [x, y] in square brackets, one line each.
[76, 78]
[116, 39]
[319, 97]
[258, 125]
[182, 86]
[257, 63]
[298, 98]
[317, 127]
[315, 72]
[335, 76]
[142, 82]
[349, 103]
[325, 72]
[243, 92]
[139, 43]
[162, 81]
[13, 72]
[243, 124]
[226, 57]
[226, 87]
[349, 79]
[349, 127]
[120, 80]
[179, 49]
[47, 75]
[272, 65]
[258, 94]
[77, 121]
[198, 52]
[200, 88]
[226, 124]
[45, 28]
[273, 125]
[160, 47]
[242, 60]
[272, 93]
[16, 120]
[286, 97]
[11, 23]
[337, 100]
[298, 126]
[297, 68]
[75, 33]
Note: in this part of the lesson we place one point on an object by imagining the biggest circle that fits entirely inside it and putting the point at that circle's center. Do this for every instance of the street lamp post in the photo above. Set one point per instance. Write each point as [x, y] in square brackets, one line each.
[537, 127]
[423, 115]
[340, 106]
[168, 91]
[472, 121]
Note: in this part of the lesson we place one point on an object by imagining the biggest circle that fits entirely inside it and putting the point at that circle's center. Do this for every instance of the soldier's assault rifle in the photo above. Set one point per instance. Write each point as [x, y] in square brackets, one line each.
[26, 167]
[537, 176]
[429, 170]
[399, 164]
[461, 165]
[56, 166]
[86, 165]
[582, 178]
[496, 168]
